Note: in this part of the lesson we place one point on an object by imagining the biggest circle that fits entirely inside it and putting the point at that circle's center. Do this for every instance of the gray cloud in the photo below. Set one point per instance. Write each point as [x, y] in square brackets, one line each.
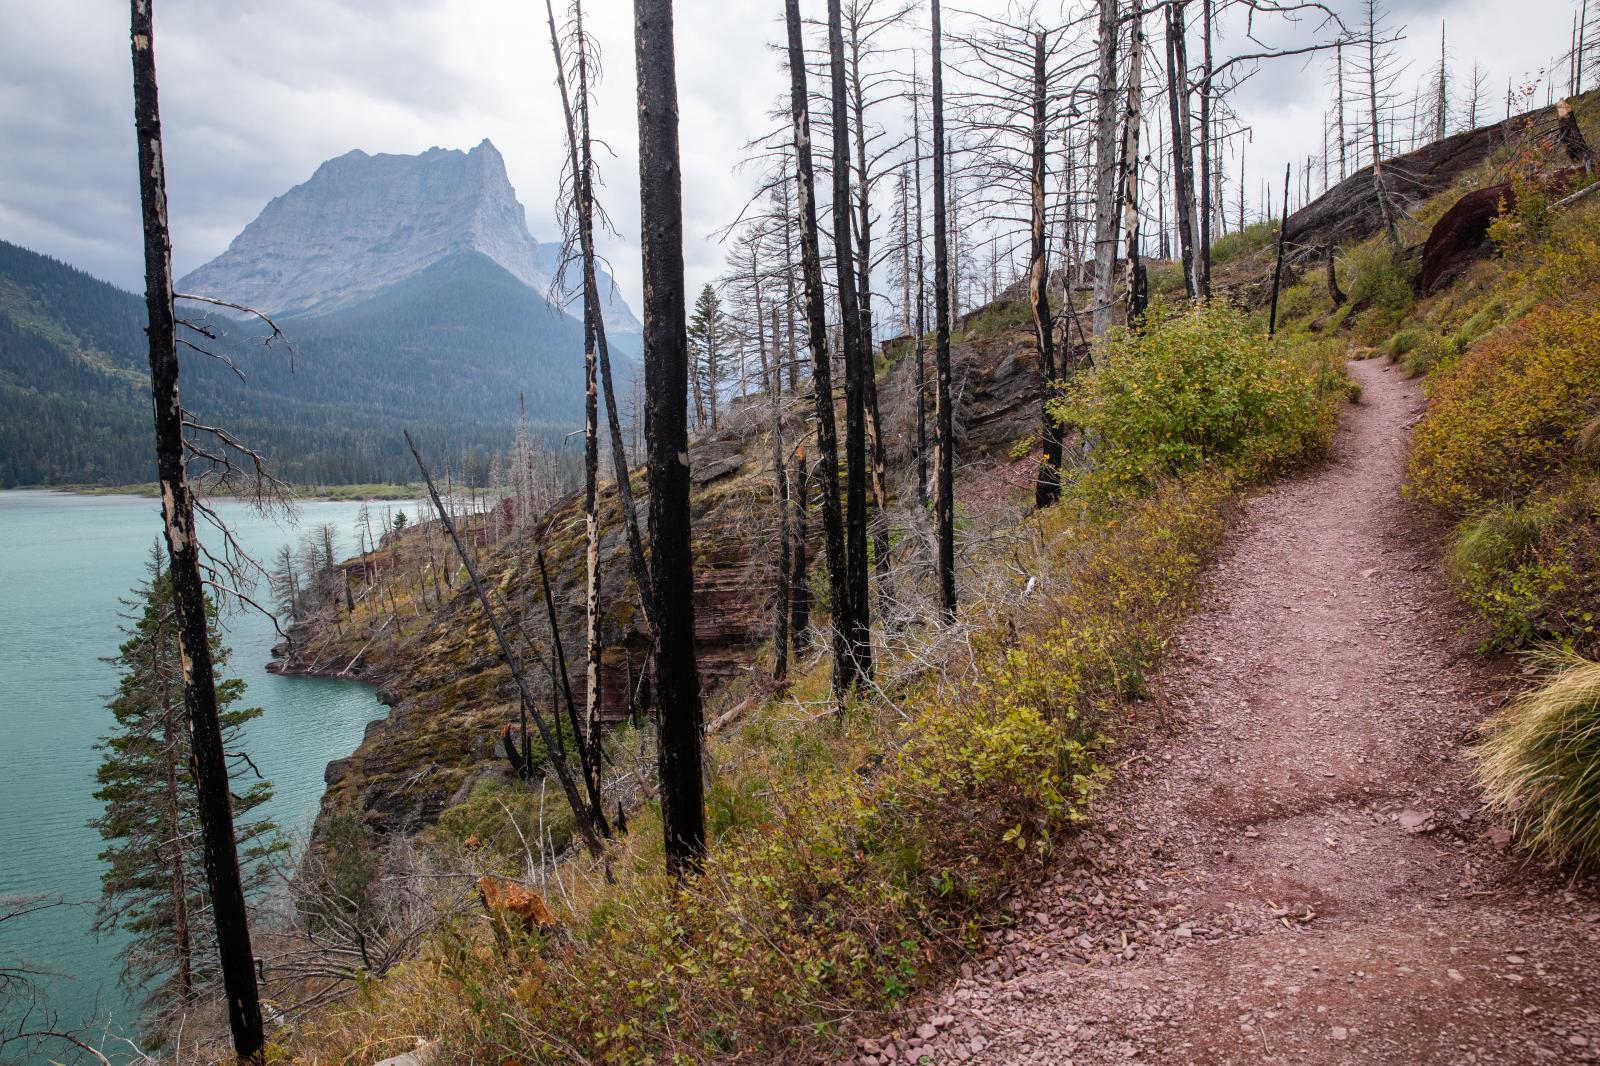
[256, 95]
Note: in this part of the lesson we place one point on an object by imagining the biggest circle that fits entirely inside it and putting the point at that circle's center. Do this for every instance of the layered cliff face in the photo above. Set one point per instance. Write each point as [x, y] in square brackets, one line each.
[363, 223]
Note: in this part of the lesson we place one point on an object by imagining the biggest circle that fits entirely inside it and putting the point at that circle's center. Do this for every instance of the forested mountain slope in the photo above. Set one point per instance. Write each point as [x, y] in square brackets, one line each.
[445, 353]
[412, 296]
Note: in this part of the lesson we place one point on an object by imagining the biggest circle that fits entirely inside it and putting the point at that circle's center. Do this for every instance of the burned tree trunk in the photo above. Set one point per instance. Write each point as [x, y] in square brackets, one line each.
[210, 767]
[920, 329]
[581, 160]
[944, 505]
[869, 383]
[1182, 161]
[1047, 486]
[1277, 267]
[666, 368]
[1203, 265]
[1137, 294]
[858, 614]
[844, 663]
[1105, 171]
[785, 538]
[800, 585]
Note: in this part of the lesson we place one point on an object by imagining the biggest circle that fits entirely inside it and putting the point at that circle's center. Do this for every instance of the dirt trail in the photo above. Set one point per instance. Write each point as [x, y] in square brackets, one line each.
[1297, 868]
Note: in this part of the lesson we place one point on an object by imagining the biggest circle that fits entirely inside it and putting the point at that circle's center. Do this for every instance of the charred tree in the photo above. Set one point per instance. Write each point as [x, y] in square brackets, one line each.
[869, 383]
[1137, 294]
[1047, 485]
[1182, 160]
[844, 663]
[856, 365]
[1277, 268]
[580, 145]
[944, 505]
[666, 367]
[210, 767]
[1105, 172]
[920, 328]
[785, 538]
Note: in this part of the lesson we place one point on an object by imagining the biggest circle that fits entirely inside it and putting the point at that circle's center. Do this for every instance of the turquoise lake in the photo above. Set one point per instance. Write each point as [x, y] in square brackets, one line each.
[65, 563]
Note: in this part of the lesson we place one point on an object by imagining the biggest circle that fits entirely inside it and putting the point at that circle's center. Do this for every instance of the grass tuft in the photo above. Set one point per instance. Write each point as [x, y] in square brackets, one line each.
[1540, 766]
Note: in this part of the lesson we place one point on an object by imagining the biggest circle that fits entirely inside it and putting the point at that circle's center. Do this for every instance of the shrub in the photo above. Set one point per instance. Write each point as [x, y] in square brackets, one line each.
[1433, 354]
[878, 848]
[1540, 764]
[1404, 341]
[1529, 571]
[1508, 414]
[1380, 280]
[1242, 242]
[1195, 387]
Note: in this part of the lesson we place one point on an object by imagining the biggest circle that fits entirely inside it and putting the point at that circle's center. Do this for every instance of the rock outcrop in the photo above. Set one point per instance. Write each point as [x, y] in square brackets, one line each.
[1349, 213]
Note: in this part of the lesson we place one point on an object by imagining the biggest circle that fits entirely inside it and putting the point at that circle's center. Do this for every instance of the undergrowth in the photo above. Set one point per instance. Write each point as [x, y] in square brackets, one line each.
[1506, 448]
[1200, 387]
[854, 856]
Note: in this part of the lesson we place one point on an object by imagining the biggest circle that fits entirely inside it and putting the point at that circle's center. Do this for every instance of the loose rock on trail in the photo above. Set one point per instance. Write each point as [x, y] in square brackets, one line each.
[1296, 868]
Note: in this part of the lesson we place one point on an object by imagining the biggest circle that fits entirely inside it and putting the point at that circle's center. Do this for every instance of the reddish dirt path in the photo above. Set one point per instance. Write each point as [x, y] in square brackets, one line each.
[1296, 868]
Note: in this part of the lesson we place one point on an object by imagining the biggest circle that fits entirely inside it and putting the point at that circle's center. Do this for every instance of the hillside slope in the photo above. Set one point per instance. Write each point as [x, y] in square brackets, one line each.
[440, 671]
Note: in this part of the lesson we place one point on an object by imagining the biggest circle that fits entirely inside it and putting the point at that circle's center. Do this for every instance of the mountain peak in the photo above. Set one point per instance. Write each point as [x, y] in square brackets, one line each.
[363, 222]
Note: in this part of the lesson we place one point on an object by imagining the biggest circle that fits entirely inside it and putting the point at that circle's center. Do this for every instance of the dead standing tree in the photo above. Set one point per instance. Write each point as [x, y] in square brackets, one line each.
[827, 466]
[578, 213]
[857, 364]
[1105, 170]
[1012, 107]
[944, 503]
[666, 364]
[1137, 293]
[583, 216]
[183, 548]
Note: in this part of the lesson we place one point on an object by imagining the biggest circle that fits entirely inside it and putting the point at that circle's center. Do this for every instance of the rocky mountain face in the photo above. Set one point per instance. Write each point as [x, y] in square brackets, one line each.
[363, 223]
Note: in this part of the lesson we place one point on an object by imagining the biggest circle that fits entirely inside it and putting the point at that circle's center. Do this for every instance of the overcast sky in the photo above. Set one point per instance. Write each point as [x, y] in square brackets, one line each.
[256, 93]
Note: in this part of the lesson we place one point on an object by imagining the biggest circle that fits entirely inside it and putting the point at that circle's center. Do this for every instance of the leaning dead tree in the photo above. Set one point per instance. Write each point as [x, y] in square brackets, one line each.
[583, 213]
[588, 817]
[666, 366]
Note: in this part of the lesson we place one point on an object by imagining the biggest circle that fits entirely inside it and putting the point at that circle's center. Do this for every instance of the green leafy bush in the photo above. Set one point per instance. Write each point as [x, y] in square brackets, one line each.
[1196, 387]
[1540, 763]
[1531, 570]
[1241, 242]
[1508, 414]
[1379, 279]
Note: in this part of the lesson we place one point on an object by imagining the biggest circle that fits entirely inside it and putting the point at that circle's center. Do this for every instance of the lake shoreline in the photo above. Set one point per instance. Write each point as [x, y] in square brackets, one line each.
[366, 493]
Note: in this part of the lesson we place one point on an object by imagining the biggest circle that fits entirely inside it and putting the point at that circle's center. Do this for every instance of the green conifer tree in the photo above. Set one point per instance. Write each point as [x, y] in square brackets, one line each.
[153, 887]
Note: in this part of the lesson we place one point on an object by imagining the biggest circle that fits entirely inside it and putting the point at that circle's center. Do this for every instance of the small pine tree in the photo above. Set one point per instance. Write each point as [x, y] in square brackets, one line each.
[153, 886]
[708, 328]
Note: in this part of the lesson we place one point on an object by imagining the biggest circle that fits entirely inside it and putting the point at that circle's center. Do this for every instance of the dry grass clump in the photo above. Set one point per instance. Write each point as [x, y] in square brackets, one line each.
[1540, 765]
